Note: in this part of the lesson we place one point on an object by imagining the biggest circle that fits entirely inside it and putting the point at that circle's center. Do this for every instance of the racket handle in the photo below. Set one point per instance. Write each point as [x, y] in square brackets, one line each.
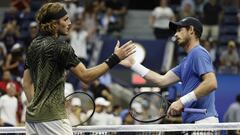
[194, 110]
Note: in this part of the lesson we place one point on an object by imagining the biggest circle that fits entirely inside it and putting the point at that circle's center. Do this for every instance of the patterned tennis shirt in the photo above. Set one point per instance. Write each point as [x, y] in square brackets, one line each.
[47, 59]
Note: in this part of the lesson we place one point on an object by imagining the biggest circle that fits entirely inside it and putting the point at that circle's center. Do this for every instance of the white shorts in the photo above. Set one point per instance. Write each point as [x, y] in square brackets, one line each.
[56, 127]
[208, 120]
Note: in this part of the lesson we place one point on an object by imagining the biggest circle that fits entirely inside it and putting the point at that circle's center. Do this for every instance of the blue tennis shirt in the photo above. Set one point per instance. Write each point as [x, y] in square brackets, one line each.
[197, 63]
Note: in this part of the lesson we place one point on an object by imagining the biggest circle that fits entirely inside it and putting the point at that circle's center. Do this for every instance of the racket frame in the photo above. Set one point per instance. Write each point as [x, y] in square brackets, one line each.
[191, 110]
[67, 98]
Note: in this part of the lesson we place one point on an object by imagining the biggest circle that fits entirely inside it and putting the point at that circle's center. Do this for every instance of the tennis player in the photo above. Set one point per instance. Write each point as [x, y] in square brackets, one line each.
[195, 72]
[43, 79]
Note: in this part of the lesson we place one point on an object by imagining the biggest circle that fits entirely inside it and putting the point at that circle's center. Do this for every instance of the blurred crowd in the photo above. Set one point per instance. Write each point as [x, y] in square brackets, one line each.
[220, 35]
[94, 19]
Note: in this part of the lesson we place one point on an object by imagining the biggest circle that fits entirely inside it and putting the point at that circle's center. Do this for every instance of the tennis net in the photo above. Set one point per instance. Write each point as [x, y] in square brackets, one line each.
[160, 129]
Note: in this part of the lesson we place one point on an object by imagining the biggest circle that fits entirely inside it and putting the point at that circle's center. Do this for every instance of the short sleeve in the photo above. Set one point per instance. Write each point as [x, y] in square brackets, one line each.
[171, 13]
[66, 56]
[155, 12]
[202, 63]
[177, 70]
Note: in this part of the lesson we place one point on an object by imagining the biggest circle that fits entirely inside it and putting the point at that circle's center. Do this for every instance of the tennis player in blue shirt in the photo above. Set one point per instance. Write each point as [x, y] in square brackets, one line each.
[196, 73]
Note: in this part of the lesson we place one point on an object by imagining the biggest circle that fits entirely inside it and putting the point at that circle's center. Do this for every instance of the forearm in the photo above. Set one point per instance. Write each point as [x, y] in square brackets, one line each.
[156, 78]
[28, 87]
[208, 85]
[205, 88]
[88, 75]
[93, 73]
[14, 65]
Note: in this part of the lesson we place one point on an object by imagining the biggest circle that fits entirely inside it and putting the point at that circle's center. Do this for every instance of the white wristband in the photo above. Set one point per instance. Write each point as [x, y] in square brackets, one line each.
[140, 69]
[189, 98]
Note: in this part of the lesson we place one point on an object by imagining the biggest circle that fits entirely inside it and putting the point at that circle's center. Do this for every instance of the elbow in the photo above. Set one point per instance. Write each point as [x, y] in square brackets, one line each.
[161, 84]
[86, 79]
[213, 86]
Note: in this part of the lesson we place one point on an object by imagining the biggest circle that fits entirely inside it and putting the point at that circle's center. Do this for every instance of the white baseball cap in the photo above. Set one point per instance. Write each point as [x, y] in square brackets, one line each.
[76, 102]
[102, 101]
[137, 107]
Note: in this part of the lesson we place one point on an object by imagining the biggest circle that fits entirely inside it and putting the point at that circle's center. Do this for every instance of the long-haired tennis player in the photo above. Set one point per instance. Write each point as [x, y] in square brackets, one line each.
[46, 60]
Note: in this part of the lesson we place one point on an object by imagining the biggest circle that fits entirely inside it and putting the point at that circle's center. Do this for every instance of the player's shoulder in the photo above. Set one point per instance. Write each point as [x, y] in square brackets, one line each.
[58, 44]
[42, 41]
[199, 50]
[62, 47]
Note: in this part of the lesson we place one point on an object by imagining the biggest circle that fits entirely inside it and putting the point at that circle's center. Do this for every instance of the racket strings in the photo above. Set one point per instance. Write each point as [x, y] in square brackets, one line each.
[80, 107]
[148, 107]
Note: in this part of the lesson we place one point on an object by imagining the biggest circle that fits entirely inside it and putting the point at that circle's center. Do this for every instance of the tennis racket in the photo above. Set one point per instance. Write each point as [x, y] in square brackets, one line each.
[80, 108]
[149, 107]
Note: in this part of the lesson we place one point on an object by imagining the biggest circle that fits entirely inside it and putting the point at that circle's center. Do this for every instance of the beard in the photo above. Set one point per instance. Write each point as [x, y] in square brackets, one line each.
[184, 42]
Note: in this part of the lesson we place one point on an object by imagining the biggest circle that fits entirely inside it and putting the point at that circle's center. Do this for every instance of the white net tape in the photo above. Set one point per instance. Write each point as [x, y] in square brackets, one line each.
[142, 128]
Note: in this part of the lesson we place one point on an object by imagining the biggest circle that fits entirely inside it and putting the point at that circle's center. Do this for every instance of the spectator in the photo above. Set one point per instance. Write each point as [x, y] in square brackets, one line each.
[21, 5]
[76, 115]
[113, 115]
[86, 88]
[211, 49]
[71, 8]
[5, 79]
[233, 113]
[212, 16]
[160, 18]
[78, 40]
[10, 34]
[229, 59]
[32, 33]
[119, 9]
[100, 116]
[90, 21]
[10, 15]
[191, 3]
[199, 7]
[100, 90]
[8, 107]
[14, 61]
[187, 9]
[109, 23]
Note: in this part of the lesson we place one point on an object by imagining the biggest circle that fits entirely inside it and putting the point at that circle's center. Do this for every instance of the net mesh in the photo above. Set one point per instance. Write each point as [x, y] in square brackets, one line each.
[162, 129]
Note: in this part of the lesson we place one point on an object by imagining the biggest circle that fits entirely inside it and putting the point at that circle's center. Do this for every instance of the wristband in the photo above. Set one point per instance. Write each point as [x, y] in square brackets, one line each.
[189, 98]
[140, 69]
[112, 60]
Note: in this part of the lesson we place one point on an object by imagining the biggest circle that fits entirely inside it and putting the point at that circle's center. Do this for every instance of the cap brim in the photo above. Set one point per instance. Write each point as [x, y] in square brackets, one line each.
[175, 25]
